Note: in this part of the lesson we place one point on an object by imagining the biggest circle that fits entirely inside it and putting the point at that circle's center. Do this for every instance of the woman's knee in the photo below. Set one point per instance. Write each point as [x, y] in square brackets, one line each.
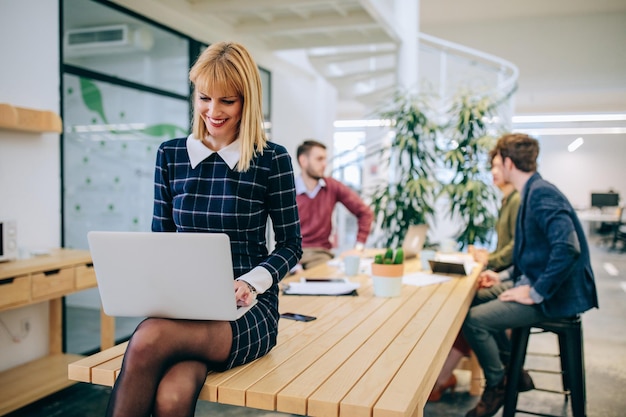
[145, 340]
[178, 390]
[175, 400]
[151, 330]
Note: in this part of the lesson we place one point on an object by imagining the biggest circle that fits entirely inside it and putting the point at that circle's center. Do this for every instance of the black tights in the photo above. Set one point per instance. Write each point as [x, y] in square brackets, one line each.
[165, 366]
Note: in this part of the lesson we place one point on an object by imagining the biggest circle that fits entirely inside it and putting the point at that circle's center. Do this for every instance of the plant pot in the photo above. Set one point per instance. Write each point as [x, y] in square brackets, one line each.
[387, 279]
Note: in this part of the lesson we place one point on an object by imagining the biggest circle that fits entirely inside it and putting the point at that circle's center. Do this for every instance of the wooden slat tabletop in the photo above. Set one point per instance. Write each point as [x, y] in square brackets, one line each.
[363, 356]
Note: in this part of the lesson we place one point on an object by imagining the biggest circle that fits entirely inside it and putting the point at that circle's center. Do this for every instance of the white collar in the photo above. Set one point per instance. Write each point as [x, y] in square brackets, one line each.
[198, 152]
[301, 188]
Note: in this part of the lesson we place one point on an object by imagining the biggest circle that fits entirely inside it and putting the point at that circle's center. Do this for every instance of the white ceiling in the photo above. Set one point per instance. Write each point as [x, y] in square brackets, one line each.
[306, 24]
[450, 11]
[297, 24]
[289, 24]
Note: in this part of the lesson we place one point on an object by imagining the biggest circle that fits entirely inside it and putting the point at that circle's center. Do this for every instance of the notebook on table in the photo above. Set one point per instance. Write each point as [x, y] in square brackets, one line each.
[414, 240]
[172, 275]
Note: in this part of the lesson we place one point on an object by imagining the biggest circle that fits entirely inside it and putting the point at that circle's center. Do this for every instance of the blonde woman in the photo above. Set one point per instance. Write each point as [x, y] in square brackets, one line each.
[224, 177]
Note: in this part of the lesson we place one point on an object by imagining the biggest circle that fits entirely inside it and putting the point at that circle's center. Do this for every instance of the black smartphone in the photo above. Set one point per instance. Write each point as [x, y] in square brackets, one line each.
[324, 280]
[297, 317]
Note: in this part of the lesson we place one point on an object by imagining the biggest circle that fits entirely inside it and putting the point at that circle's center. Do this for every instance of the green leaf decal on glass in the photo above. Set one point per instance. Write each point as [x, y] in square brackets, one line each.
[92, 97]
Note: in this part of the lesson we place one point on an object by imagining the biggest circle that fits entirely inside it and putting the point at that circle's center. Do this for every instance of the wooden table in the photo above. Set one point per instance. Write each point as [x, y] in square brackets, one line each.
[46, 278]
[363, 356]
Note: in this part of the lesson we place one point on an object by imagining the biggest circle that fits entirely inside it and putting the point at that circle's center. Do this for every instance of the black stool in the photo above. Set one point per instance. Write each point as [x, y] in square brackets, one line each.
[570, 335]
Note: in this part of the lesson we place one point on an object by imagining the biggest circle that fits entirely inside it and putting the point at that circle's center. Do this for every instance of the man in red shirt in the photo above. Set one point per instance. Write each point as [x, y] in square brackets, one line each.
[316, 197]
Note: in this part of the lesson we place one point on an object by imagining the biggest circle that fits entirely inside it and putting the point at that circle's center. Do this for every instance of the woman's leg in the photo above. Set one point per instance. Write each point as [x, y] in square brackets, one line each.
[156, 346]
[460, 348]
[452, 361]
[177, 394]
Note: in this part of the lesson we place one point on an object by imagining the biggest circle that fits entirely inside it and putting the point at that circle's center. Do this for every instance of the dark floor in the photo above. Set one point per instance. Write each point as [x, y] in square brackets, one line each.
[605, 362]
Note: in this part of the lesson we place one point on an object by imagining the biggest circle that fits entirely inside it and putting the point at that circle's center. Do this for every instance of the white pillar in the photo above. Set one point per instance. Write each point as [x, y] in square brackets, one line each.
[407, 19]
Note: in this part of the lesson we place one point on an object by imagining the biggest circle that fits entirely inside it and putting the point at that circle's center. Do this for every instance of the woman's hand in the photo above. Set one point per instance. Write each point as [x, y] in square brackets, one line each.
[244, 293]
[481, 256]
[488, 279]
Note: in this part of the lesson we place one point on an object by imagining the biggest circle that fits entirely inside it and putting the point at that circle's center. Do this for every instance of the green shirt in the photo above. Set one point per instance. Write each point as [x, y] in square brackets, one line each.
[502, 257]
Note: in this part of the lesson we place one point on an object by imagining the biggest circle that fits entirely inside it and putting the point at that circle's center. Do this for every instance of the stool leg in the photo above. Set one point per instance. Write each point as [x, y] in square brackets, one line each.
[565, 360]
[575, 371]
[519, 343]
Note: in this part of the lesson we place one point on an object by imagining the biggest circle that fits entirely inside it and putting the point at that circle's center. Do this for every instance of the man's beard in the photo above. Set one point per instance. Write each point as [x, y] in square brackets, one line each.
[314, 175]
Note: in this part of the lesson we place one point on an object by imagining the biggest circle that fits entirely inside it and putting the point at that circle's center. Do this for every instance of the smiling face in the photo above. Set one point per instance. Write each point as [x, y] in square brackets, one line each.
[221, 112]
[496, 171]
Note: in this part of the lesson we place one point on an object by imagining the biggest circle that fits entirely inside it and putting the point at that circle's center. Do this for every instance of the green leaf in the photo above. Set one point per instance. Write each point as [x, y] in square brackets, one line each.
[92, 97]
[399, 256]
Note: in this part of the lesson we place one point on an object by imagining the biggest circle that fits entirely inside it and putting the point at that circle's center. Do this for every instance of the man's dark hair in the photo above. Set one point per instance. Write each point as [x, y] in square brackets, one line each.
[520, 148]
[307, 145]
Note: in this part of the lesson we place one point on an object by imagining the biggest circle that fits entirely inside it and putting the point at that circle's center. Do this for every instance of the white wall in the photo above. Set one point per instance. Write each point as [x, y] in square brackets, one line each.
[596, 166]
[303, 103]
[29, 162]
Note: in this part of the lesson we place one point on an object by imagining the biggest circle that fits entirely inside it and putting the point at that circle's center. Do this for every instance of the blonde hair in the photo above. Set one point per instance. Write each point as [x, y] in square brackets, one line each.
[230, 67]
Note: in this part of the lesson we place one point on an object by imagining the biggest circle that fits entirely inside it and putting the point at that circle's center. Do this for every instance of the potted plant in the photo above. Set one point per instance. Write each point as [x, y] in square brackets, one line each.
[387, 272]
[456, 147]
[471, 195]
[407, 196]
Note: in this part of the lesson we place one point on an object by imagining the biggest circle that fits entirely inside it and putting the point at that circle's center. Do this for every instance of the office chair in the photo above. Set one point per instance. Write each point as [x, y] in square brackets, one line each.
[609, 230]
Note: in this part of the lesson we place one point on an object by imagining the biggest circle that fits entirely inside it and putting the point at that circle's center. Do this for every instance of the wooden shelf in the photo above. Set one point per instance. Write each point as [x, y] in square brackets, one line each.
[22, 119]
[47, 278]
[34, 380]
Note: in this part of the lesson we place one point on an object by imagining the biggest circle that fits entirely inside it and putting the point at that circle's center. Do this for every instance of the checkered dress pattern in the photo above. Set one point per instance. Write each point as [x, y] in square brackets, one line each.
[212, 198]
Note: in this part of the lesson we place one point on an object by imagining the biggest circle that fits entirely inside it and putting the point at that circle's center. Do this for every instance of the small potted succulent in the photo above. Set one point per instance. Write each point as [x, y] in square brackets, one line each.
[387, 272]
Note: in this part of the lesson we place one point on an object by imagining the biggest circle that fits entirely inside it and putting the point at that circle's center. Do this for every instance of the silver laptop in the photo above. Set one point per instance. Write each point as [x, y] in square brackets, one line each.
[173, 275]
[414, 240]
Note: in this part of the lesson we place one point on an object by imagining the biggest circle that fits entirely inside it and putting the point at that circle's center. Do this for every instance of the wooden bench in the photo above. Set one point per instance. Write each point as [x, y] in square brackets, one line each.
[363, 356]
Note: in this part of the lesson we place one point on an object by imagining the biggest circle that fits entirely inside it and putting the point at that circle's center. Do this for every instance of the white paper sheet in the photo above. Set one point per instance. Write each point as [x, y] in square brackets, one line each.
[320, 288]
[454, 257]
[421, 279]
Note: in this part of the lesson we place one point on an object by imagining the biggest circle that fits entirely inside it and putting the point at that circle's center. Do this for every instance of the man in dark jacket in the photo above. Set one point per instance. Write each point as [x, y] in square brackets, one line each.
[551, 269]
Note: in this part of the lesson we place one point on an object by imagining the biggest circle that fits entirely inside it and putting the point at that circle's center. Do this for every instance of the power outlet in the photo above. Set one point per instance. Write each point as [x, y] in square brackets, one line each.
[25, 326]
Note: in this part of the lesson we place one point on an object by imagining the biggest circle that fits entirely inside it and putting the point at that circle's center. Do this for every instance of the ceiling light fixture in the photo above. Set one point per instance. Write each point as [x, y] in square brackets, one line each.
[560, 118]
[577, 143]
[548, 131]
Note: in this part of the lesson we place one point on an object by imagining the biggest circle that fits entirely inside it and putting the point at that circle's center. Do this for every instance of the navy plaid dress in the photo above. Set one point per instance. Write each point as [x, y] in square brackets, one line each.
[212, 198]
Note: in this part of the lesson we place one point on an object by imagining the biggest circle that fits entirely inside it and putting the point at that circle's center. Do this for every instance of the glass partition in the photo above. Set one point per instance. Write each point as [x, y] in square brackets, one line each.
[99, 38]
[124, 91]
[111, 135]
